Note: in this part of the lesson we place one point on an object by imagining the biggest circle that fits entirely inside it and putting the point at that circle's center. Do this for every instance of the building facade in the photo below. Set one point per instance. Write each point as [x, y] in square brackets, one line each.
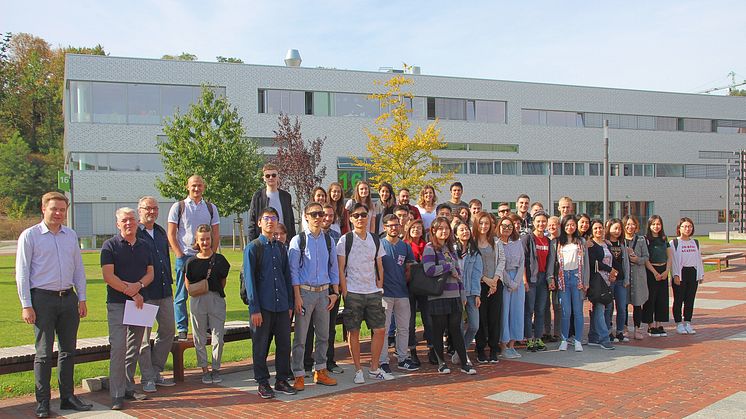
[504, 138]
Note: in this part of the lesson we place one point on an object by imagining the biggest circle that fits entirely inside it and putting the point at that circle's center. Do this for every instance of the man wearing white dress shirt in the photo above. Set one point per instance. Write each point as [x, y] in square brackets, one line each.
[52, 289]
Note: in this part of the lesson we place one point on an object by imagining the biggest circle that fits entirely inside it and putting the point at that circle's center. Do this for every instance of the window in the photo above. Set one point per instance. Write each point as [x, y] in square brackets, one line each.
[595, 169]
[464, 109]
[569, 169]
[614, 169]
[724, 126]
[143, 104]
[290, 102]
[704, 171]
[557, 169]
[80, 101]
[109, 103]
[703, 216]
[490, 111]
[552, 118]
[83, 161]
[645, 122]
[177, 99]
[510, 167]
[129, 162]
[321, 104]
[456, 146]
[355, 104]
[456, 166]
[579, 169]
[485, 168]
[506, 148]
[453, 109]
[695, 125]
[530, 117]
[664, 123]
[669, 170]
[529, 168]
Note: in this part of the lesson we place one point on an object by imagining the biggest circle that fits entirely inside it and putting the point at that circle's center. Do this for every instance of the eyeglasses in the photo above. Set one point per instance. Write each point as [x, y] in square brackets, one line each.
[270, 175]
[393, 226]
[502, 211]
[506, 226]
[268, 218]
[149, 208]
[316, 214]
[359, 215]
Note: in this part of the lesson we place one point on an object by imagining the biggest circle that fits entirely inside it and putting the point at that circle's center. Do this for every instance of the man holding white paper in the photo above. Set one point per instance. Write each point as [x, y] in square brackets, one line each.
[127, 267]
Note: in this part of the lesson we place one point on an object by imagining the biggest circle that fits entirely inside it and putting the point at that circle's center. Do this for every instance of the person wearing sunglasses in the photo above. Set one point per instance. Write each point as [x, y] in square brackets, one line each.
[271, 196]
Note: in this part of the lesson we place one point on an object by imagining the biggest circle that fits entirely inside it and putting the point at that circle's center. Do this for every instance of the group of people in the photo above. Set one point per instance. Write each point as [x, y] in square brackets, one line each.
[518, 278]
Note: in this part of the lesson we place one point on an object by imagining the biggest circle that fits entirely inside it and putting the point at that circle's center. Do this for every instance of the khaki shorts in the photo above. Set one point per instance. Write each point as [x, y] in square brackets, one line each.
[368, 307]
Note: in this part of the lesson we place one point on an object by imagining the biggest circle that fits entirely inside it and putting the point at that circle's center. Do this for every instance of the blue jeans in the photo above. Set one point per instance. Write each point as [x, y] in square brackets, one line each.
[180, 296]
[512, 311]
[472, 320]
[571, 300]
[620, 294]
[599, 330]
[536, 302]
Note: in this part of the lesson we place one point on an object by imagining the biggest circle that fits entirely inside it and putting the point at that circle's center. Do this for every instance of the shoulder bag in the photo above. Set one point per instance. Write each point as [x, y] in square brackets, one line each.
[195, 289]
[598, 290]
[422, 284]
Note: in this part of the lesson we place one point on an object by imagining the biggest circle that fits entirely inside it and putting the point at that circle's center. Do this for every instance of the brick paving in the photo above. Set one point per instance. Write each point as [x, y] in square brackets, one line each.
[699, 371]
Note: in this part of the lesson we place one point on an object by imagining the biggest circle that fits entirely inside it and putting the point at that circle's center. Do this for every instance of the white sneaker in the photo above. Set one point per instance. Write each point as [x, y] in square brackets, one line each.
[681, 329]
[578, 346]
[563, 345]
[380, 374]
[455, 360]
[359, 378]
[689, 329]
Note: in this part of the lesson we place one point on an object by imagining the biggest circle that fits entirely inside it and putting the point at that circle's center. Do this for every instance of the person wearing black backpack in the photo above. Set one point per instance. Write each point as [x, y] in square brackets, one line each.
[313, 269]
[266, 279]
[687, 272]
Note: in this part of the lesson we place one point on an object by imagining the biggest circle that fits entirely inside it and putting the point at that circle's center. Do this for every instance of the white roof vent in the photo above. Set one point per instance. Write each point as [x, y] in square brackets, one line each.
[292, 58]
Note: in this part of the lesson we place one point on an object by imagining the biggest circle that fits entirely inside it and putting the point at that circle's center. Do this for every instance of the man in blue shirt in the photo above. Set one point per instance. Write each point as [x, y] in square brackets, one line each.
[395, 292]
[153, 358]
[313, 269]
[269, 291]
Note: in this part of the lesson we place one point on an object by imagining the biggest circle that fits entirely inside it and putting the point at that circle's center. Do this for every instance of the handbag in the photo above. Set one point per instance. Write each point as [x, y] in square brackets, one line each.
[599, 291]
[195, 289]
[422, 284]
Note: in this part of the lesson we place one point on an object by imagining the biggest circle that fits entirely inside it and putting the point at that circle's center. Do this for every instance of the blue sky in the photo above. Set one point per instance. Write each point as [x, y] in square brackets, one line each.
[683, 46]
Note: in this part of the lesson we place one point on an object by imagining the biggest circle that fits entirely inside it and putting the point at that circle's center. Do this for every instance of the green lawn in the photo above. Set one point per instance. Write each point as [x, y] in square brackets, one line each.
[16, 332]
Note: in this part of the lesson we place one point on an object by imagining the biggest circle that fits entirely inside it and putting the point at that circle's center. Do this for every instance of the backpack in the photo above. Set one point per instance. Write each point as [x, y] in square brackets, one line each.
[676, 243]
[302, 246]
[182, 205]
[241, 281]
[349, 237]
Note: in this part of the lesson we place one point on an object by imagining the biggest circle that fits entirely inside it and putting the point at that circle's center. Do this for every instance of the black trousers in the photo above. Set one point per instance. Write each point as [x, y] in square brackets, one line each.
[684, 294]
[54, 315]
[308, 361]
[656, 308]
[415, 302]
[490, 313]
[277, 325]
[452, 323]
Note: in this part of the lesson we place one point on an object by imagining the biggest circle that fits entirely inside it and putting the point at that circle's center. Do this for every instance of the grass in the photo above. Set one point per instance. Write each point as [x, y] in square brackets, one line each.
[17, 332]
[708, 240]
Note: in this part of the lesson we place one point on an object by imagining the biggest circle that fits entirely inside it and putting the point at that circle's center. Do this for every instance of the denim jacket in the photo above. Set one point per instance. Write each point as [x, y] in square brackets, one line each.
[471, 268]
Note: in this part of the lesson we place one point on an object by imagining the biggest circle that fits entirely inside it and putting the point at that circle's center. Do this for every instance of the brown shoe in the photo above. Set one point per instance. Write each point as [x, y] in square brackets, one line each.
[322, 377]
[299, 385]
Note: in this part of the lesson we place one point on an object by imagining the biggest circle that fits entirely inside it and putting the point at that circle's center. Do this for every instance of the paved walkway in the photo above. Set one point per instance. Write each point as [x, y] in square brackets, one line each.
[703, 375]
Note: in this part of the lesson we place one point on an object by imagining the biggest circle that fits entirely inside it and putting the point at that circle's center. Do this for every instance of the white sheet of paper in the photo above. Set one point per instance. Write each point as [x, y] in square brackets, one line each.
[139, 317]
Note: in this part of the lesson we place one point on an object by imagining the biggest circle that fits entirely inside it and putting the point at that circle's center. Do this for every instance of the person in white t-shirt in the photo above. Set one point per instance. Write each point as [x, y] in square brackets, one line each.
[688, 272]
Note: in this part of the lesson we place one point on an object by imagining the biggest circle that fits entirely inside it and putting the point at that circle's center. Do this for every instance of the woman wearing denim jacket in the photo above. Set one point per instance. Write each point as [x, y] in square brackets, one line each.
[570, 277]
[536, 248]
[471, 266]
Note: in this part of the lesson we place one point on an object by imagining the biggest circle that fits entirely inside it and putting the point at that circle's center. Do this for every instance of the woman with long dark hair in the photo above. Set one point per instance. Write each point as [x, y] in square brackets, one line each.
[600, 261]
[638, 257]
[571, 279]
[687, 272]
[655, 310]
[336, 197]
[385, 205]
[536, 249]
[514, 289]
[445, 309]
[427, 205]
[471, 267]
[493, 263]
[620, 288]
[413, 236]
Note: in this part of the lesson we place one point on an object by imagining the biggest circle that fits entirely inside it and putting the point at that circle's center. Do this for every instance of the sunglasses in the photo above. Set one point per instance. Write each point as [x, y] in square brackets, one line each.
[359, 215]
[316, 214]
[268, 218]
[270, 175]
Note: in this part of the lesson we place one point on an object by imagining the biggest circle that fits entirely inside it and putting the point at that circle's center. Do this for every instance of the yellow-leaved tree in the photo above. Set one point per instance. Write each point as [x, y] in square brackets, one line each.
[398, 156]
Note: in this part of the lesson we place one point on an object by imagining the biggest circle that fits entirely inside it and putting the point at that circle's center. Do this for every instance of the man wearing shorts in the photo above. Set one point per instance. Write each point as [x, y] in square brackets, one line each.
[361, 280]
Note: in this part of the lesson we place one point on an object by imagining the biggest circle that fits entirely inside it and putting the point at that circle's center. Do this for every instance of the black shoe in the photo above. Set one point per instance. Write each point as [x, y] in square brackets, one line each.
[415, 359]
[133, 395]
[392, 341]
[182, 336]
[386, 368]
[283, 387]
[265, 391]
[117, 404]
[431, 357]
[334, 368]
[493, 357]
[481, 357]
[74, 403]
[42, 409]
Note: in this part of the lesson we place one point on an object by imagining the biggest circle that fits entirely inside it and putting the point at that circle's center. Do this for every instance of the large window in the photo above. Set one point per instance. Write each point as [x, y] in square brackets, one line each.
[551, 118]
[124, 162]
[466, 110]
[529, 168]
[130, 103]
[290, 102]
[355, 104]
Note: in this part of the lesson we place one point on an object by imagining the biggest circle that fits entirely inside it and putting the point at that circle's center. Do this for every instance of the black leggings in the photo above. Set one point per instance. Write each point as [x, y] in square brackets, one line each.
[490, 316]
[684, 294]
[452, 323]
[637, 315]
[656, 308]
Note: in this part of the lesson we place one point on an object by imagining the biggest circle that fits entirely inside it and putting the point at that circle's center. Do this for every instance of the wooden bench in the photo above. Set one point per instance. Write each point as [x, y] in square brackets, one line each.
[719, 258]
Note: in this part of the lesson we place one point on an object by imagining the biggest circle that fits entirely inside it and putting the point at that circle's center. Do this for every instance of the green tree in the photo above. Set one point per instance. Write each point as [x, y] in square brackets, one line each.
[402, 158]
[185, 56]
[19, 189]
[737, 92]
[222, 59]
[209, 140]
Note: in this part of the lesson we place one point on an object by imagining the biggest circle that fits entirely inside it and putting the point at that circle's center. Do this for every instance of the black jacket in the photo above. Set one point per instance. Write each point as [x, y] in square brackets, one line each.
[260, 201]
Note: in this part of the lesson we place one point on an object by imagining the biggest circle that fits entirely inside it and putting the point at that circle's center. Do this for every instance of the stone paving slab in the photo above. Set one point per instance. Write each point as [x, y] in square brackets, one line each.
[738, 336]
[715, 304]
[723, 284]
[733, 406]
[514, 397]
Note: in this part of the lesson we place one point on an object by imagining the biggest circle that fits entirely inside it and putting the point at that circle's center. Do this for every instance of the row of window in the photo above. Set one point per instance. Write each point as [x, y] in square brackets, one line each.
[127, 103]
[296, 102]
[638, 122]
[541, 168]
[504, 148]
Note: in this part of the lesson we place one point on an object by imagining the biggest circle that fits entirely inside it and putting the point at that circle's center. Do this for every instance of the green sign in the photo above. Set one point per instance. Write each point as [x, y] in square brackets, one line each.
[63, 181]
